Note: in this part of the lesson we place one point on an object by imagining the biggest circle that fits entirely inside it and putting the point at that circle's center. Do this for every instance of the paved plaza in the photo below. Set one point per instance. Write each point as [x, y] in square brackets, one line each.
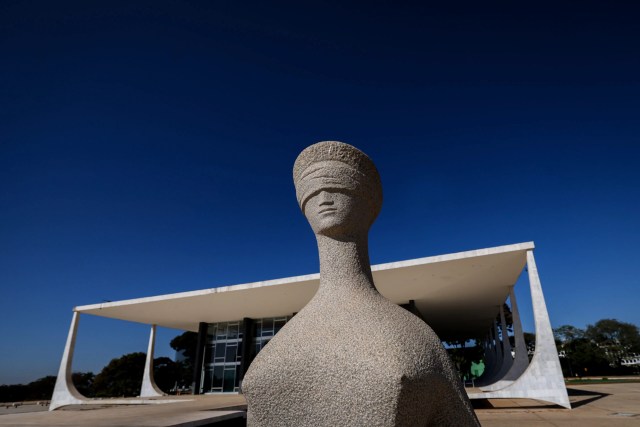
[616, 404]
[612, 404]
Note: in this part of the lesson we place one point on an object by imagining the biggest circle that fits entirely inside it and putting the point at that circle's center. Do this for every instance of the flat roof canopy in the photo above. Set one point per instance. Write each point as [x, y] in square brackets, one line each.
[458, 294]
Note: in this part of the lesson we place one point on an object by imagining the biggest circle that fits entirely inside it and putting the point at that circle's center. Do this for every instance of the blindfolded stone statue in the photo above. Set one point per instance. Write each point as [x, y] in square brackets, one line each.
[350, 357]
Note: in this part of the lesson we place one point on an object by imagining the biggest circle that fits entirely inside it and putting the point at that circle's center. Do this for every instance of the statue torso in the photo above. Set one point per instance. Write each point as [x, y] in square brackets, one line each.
[362, 350]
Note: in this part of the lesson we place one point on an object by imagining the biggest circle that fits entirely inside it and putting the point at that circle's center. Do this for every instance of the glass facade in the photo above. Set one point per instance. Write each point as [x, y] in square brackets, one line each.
[265, 329]
[222, 365]
[221, 358]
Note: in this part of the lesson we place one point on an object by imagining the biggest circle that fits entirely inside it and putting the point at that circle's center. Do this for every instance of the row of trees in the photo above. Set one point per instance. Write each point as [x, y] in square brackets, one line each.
[40, 389]
[121, 377]
[598, 349]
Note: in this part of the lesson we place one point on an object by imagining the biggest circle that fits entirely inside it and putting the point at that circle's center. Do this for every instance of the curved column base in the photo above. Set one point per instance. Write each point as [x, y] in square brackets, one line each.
[149, 387]
[64, 392]
[506, 366]
[507, 361]
[499, 385]
[492, 374]
[116, 401]
[518, 367]
[66, 397]
[521, 361]
[543, 379]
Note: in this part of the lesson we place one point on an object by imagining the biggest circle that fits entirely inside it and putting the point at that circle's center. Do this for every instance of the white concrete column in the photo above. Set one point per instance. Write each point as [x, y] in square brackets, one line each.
[506, 344]
[543, 378]
[521, 361]
[64, 392]
[149, 387]
[507, 358]
[490, 359]
[499, 351]
[499, 358]
[522, 353]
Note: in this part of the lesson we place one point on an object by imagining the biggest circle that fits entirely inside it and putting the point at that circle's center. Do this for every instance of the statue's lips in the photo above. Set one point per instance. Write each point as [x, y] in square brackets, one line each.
[327, 210]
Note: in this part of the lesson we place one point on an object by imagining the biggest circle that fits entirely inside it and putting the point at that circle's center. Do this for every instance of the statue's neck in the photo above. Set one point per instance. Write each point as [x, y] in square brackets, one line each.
[344, 265]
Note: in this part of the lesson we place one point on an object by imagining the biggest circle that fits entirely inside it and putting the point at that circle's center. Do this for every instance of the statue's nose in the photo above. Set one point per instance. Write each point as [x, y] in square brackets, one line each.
[325, 198]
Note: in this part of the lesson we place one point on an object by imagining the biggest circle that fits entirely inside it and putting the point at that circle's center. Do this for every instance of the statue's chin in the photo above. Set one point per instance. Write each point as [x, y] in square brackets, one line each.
[339, 228]
[331, 235]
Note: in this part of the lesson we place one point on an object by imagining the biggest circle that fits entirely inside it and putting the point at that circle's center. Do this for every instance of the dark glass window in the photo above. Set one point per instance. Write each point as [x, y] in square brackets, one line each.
[278, 324]
[231, 354]
[229, 380]
[220, 348]
[233, 332]
[217, 376]
[208, 354]
[221, 332]
[206, 383]
[267, 326]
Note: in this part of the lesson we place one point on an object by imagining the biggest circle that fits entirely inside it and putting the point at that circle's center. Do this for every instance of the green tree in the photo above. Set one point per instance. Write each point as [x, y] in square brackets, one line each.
[598, 349]
[83, 382]
[611, 333]
[12, 392]
[584, 358]
[40, 389]
[463, 356]
[573, 364]
[508, 317]
[166, 373]
[568, 333]
[185, 346]
[121, 377]
[530, 342]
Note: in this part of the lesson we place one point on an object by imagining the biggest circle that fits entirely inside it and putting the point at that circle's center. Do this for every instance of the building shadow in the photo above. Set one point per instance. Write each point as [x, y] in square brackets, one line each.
[577, 397]
[583, 397]
[481, 404]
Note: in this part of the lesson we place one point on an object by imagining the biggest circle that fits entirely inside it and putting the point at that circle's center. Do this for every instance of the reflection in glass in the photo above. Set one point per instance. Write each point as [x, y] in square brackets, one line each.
[233, 331]
[221, 331]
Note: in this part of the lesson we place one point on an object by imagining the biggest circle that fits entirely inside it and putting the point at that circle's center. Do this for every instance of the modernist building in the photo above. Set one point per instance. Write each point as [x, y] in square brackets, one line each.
[459, 295]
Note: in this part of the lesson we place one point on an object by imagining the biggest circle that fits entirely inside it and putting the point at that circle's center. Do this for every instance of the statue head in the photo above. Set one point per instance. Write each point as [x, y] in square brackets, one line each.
[338, 189]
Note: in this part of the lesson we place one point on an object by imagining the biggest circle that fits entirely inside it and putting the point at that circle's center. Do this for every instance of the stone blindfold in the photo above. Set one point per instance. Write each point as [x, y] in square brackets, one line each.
[331, 174]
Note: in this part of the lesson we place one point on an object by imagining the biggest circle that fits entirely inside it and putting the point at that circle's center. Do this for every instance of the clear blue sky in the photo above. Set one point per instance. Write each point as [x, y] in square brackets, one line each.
[146, 148]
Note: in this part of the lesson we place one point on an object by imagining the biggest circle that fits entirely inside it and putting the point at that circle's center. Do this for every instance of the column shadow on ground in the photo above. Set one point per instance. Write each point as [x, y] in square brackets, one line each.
[579, 398]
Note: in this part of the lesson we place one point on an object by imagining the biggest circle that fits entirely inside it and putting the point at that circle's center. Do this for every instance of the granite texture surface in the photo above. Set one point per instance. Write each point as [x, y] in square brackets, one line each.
[350, 357]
